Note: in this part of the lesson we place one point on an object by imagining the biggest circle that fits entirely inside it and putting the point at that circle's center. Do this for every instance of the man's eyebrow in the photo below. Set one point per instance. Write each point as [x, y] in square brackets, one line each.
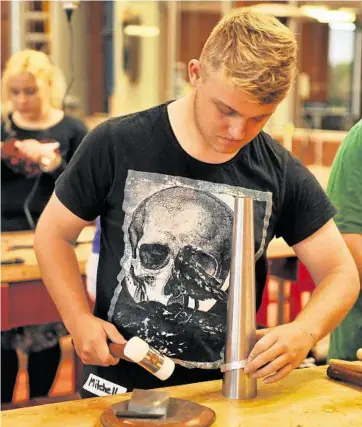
[237, 112]
[222, 104]
[225, 105]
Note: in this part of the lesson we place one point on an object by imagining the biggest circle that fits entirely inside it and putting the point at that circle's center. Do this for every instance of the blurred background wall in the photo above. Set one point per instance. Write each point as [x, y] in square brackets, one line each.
[123, 56]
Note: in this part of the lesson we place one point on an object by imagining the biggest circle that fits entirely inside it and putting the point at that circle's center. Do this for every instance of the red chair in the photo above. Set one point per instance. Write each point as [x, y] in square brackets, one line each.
[301, 285]
[304, 284]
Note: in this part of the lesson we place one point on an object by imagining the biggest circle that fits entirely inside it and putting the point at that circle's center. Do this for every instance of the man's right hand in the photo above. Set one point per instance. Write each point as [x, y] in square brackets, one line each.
[90, 339]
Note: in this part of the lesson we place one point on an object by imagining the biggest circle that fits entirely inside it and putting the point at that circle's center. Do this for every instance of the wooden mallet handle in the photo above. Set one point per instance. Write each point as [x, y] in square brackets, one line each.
[117, 350]
[344, 374]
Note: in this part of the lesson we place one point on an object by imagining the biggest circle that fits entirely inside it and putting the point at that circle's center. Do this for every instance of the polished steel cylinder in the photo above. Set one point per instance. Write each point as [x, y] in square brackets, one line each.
[241, 323]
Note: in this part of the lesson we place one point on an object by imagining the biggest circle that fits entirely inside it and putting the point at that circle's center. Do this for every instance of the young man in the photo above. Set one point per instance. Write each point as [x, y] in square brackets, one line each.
[163, 182]
[344, 189]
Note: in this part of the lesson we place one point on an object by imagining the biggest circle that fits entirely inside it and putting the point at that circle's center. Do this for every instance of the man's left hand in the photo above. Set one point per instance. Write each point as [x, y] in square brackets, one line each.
[278, 351]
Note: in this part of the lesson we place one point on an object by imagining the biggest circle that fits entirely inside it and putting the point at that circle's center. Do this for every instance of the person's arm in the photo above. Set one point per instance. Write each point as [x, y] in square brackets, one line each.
[305, 222]
[56, 234]
[281, 349]
[80, 195]
[354, 243]
[335, 275]
[344, 189]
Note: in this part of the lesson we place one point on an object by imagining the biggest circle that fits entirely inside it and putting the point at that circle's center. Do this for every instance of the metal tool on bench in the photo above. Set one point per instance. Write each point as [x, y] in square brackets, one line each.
[241, 315]
[148, 408]
[144, 404]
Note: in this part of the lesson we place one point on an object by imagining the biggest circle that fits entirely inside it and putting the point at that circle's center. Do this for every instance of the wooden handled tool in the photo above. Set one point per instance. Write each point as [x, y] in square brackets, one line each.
[343, 374]
[352, 366]
[344, 370]
[117, 350]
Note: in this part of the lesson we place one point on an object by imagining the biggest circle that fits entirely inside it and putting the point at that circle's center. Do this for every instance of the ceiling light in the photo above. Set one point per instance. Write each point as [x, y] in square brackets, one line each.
[324, 15]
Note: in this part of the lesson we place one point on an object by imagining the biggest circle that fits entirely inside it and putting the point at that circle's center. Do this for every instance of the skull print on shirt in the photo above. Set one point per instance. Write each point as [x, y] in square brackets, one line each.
[172, 289]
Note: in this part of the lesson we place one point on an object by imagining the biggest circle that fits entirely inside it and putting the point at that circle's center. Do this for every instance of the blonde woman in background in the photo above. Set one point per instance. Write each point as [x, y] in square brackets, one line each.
[38, 140]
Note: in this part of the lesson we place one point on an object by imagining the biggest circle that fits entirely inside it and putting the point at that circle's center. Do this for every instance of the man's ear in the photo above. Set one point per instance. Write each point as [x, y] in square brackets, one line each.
[194, 69]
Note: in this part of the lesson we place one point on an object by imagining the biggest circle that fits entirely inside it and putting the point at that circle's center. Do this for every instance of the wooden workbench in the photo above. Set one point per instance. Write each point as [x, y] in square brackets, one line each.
[306, 398]
[29, 270]
[278, 248]
[24, 299]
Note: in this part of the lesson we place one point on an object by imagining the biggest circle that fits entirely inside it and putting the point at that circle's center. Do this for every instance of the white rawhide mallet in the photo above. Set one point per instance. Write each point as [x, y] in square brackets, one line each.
[149, 358]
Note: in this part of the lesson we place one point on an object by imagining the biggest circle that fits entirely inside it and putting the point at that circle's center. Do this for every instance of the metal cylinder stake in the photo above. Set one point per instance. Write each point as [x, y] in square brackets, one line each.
[241, 323]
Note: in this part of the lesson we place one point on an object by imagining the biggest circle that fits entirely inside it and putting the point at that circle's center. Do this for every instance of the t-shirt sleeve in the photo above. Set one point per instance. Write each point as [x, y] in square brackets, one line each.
[305, 207]
[86, 182]
[345, 182]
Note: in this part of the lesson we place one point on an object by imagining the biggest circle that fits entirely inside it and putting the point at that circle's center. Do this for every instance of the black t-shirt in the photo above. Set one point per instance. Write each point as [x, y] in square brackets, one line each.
[16, 187]
[166, 221]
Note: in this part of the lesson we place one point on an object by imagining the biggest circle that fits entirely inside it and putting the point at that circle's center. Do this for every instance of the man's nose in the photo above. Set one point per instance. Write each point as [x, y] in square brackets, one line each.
[237, 128]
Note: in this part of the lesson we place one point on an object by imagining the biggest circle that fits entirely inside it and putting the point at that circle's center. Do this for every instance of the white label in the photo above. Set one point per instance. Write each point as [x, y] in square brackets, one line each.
[102, 387]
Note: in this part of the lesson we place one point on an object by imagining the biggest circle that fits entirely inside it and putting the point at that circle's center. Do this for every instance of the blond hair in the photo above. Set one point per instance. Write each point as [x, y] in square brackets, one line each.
[44, 71]
[255, 53]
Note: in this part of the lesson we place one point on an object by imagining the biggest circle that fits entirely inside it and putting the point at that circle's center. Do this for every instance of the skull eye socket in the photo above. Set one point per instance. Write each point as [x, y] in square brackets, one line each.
[154, 256]
[206, 261]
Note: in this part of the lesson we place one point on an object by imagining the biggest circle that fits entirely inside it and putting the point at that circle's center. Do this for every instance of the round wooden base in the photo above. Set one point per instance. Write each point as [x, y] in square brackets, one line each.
[180, 413]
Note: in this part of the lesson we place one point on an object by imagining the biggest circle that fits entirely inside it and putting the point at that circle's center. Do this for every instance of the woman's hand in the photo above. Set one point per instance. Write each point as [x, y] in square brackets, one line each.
[35, 150]
[278, 351]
